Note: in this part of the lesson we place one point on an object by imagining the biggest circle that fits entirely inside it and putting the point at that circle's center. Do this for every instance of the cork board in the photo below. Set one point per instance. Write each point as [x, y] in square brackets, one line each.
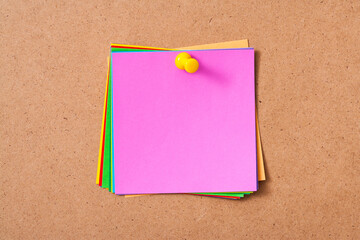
[53, 76]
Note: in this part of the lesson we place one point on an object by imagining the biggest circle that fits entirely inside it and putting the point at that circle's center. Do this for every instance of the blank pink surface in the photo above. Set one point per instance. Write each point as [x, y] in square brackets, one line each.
[176, 132]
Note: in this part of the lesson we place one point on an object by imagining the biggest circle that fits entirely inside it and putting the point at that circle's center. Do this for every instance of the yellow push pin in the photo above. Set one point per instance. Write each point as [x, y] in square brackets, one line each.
[185, 61]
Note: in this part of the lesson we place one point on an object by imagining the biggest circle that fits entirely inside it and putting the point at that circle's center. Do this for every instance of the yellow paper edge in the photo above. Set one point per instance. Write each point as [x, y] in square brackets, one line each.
[135, 46]
[102, 126]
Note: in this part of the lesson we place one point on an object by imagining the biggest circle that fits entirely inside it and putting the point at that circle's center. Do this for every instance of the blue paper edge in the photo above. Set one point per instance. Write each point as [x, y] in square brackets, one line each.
[112, 127]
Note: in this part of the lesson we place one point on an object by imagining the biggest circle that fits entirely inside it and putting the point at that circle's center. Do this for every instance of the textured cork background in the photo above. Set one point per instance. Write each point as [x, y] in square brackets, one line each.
[53, 74]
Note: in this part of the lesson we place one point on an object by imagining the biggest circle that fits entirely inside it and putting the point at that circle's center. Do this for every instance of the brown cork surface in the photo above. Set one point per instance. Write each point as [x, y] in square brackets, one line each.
[53, 73]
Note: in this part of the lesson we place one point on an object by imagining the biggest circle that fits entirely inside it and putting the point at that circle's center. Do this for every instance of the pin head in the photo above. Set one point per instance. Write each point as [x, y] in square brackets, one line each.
[185, 62]
[191, 65]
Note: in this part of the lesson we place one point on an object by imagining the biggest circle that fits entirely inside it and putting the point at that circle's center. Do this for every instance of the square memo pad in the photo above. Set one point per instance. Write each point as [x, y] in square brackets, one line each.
[176, 132]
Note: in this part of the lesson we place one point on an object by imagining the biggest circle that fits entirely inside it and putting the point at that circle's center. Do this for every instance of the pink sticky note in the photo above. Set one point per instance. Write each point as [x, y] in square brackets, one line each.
[176, 132]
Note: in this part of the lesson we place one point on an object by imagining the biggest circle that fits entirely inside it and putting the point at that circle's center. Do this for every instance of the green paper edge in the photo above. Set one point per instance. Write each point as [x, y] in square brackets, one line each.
[107, 148]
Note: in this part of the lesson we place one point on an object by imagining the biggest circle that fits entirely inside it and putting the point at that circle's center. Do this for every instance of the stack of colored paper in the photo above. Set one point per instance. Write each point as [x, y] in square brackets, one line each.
[169, 131]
